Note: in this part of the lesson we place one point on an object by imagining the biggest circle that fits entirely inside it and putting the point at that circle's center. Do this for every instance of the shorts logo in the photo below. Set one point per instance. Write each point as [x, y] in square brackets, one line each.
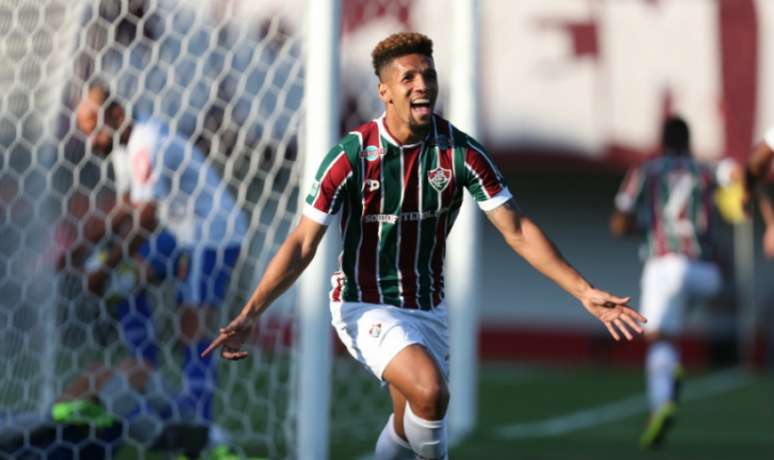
[372, 152]
[376, 330]
[372, 185]
[439, 178]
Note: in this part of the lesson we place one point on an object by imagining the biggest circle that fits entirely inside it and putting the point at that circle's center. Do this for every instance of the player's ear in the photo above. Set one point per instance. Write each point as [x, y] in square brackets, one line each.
[384, 92]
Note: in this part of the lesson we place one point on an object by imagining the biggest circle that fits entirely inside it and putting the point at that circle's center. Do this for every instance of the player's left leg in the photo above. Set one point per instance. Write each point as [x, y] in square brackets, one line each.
[391, 445]
[663, 299]
[416, 376]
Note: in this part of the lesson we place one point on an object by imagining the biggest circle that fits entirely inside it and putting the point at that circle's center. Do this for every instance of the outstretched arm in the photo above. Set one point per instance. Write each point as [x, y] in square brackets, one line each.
[287, 265]
[767, 213]
[527, 240]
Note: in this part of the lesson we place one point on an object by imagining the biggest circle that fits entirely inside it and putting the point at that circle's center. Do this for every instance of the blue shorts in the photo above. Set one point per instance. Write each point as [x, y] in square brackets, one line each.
[208, 268]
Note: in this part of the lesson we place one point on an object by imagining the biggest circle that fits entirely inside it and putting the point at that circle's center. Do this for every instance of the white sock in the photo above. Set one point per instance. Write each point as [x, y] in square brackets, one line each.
[390, 446]
[426, 437]
[660, 364]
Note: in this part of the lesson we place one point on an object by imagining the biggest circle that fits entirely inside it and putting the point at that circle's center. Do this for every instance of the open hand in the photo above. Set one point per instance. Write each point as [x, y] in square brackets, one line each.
[232, 338]
[614, 312]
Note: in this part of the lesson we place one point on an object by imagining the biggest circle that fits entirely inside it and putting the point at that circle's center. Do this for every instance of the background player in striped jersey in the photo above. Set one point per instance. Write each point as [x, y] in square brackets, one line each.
[671, 198]
[399, 181]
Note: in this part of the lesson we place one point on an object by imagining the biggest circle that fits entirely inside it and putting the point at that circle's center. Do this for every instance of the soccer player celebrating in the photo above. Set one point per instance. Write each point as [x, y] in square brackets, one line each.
[399, 181]
[671, 198]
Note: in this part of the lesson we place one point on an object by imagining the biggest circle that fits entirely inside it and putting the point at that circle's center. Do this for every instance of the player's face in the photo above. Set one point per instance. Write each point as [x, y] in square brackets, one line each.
[89, 118]
[409, 89]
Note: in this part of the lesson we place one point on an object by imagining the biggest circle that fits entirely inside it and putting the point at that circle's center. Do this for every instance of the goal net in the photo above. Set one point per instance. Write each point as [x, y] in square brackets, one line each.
[225, 76]
[228, 81]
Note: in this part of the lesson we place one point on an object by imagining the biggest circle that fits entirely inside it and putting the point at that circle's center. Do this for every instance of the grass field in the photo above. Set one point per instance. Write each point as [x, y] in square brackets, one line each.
[581, 413]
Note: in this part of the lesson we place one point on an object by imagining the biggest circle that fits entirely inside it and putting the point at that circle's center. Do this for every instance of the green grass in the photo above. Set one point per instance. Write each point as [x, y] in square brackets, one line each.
[734, 424]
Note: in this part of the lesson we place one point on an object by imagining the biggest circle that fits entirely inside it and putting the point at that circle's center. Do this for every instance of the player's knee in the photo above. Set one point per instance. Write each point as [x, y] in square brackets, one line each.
[431, 401]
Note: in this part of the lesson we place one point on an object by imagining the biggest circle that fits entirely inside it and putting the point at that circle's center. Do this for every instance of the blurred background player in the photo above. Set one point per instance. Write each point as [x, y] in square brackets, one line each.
[399, 181]
[758, 169]
[670, 198]
[176, 216]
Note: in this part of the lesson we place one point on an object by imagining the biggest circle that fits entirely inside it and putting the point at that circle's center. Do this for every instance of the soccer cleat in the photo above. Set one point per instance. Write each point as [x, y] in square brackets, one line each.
[81, 412]
[226, 453]
[658, 425]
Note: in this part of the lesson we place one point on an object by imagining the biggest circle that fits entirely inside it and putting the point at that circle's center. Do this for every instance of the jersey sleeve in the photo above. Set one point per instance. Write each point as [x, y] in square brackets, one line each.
[482, 178]
[630, 191]
[327, 191]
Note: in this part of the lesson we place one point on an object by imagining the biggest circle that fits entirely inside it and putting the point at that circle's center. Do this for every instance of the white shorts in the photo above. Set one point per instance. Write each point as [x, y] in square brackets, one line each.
[669, 283]
[375, 333]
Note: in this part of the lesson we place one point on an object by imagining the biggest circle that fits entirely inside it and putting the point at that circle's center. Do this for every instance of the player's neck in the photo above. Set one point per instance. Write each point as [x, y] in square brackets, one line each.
[403, 133]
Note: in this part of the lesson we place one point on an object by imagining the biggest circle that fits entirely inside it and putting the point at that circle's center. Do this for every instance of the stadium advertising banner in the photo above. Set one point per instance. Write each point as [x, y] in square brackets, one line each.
[586, 78]
[595, 78]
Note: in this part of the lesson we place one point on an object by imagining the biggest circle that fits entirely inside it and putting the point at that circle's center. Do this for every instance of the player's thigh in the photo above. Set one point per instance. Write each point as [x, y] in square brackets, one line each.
[373, 333]
[416, 375]
[663, 295]
[703, 279]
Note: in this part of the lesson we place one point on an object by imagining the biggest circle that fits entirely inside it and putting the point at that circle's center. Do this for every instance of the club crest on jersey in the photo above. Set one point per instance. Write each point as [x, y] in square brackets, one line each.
[439, 178]
[371, 153]
[376, 330]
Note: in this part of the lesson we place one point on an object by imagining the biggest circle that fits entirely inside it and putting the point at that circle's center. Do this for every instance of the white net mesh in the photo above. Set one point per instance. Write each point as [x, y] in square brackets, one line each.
[226, 81]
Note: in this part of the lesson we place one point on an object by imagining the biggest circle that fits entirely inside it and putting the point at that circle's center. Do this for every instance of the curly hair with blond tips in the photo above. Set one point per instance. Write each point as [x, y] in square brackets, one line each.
[400, 44]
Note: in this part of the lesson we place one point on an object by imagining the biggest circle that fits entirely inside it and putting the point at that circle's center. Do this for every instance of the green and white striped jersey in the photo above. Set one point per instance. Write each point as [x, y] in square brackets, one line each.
[398, 204]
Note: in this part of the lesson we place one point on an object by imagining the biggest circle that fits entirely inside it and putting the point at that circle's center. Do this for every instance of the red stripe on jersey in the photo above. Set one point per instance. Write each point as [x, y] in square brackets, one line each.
[339, 280]
[686, 241]
[658, 230]
[367, 268]
[483, 169]
[407, 250]
[445, 161]
[332, 181]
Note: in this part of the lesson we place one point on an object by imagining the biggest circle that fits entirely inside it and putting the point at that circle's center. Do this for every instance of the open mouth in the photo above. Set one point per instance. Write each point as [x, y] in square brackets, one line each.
[421, 107]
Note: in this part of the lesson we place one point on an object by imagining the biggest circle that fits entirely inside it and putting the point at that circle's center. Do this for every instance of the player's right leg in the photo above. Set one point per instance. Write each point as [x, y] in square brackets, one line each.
[407, 350]
[663, 298]
[391, 445]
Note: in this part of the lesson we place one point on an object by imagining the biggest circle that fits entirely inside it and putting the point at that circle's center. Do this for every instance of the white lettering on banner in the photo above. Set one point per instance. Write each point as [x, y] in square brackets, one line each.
[657, 62]
[589, 75]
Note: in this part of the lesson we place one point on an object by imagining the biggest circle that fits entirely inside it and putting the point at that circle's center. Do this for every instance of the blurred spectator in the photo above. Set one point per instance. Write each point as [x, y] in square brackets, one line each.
[173, 212]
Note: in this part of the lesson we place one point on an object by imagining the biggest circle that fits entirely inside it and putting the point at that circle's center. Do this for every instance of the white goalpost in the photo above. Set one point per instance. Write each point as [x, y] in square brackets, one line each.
[321, 126]
[464, 262]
